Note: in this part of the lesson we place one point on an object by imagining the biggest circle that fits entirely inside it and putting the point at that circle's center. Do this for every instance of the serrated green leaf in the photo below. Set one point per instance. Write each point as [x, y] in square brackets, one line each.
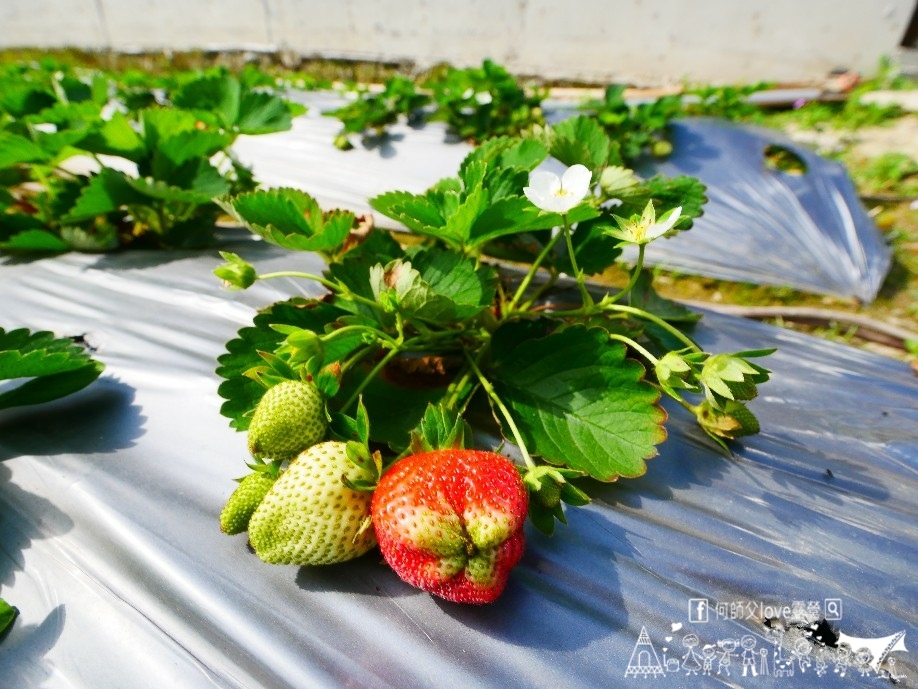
[290, 218]
[105, 192]
[194, 143]
[56, 367]
[219, 94]
[206, 185]
[21, 99]
[159, 124]
[35, 240]
[468, 287]
[263, 113]
[15, 150]
[415, 212]
[578, 402]
[116, 137]
[581, 140]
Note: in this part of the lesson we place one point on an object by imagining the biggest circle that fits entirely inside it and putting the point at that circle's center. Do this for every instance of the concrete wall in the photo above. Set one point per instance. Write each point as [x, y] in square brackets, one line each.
[639, 41]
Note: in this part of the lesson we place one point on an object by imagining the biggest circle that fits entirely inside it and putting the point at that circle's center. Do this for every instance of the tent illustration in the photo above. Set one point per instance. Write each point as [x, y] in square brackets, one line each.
[644, 661]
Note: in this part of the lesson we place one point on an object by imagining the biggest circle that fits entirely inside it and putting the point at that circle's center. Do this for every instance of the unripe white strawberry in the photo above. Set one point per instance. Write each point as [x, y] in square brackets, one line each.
[289, 418]
[309, 517]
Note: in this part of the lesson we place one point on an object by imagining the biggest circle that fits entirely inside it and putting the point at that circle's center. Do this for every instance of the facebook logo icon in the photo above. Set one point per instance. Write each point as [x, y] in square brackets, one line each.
[698, 610]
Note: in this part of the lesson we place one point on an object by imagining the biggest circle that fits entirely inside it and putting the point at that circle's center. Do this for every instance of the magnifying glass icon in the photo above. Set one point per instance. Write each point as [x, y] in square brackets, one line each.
[833, 609]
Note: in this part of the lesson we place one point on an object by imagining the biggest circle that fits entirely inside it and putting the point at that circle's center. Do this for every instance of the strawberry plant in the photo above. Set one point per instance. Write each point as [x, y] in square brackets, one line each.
[157, 168]
[412, 345]
[479, 103]
[372, 113]
[638, 128]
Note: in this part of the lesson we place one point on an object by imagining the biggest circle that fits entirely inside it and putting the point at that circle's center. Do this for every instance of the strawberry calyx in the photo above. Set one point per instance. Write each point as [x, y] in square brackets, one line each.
[548, 487]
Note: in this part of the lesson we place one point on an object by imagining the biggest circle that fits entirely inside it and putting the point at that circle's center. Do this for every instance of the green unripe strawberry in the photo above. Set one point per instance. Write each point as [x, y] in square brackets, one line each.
[242, 503]
[309, 517]
[289, 418]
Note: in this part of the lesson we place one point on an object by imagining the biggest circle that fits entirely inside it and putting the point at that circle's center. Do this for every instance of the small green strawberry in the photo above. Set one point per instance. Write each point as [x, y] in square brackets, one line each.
[310, 517]
[451, 522]
[289, 418]
[242, 503]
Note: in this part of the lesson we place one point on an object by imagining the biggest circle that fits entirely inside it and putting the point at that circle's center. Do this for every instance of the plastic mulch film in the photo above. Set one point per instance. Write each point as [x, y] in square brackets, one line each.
[112, 551]
[804, 228]
[762, 226]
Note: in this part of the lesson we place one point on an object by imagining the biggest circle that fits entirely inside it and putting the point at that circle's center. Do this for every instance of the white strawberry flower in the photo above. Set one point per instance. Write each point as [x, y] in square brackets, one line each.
[558, 194]
[646, 228]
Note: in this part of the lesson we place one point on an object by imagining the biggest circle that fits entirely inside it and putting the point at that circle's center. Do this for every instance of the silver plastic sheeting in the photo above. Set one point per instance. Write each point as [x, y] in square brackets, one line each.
[761, 225]
[111, 547]
[409, 159]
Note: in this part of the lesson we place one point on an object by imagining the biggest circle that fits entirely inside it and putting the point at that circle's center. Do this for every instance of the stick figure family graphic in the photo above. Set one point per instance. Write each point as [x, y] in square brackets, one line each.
[782, 652]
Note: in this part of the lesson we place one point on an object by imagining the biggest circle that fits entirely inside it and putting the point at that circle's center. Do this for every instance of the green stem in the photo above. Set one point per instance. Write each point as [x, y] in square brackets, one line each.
[539, 291]
[492, 393]
[297, 274]
[533, 269]
[455, 389]
[334, 287]
[636, 273]
[578, 274]
[356, 358]
[634, 345]
[369, 377]
[641, 313]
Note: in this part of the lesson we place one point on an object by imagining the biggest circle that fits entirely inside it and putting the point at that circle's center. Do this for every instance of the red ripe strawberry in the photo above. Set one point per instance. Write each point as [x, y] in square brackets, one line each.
[451, 522]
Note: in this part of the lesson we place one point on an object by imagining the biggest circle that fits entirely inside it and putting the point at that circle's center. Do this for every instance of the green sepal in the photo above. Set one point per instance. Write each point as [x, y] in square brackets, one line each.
[441, 428]
[236, 272]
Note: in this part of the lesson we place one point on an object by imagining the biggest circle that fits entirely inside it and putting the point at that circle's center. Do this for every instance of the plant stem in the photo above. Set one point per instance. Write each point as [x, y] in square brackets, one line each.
[492, 393]
[578, 274]
[634, 345]
[369, 377]
[646, 315]
[533, 269]
[636, 273]
[333, 287]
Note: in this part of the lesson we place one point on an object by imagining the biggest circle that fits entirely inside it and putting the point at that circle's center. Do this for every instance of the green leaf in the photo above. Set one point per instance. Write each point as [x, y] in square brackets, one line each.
[666, 193]
[290, 218]
[436, 286]
[470, 289]
[577, 400]
[116, 137]
[264, 113]
[207, 184]
[36, 240]
[15, 150]
[56, 367]
[415, 212]
[7, 614]
[582, 140]
[218, 94]
[106, 192]
[187, 145]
